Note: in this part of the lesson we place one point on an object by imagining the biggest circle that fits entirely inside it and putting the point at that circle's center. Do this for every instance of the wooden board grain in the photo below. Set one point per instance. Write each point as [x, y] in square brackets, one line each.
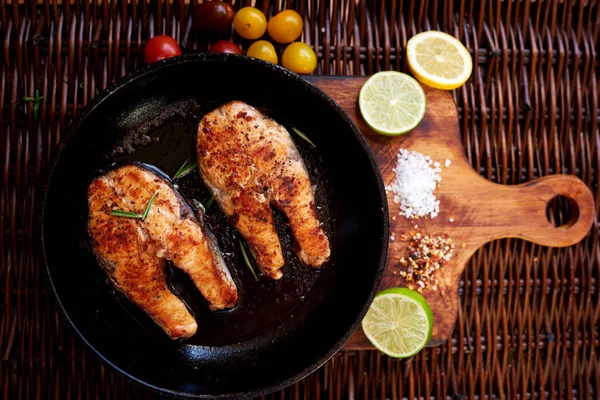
[481, 211]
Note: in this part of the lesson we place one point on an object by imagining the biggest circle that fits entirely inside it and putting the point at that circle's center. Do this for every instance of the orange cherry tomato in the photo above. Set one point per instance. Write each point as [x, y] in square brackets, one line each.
[263, 50]
[250, 23]
[285, 27]
[298, 57]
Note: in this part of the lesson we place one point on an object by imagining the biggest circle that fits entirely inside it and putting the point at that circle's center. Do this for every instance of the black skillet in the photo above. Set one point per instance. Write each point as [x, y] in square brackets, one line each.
[281, 331]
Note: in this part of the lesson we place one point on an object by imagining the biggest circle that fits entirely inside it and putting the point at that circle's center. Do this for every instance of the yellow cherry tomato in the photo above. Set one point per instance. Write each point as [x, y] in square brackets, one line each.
[285, 27]
[298, 57]
[263, 50]
[250, 23]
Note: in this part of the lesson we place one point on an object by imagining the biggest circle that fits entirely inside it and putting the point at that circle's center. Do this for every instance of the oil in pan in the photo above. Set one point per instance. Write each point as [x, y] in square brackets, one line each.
[165, 141]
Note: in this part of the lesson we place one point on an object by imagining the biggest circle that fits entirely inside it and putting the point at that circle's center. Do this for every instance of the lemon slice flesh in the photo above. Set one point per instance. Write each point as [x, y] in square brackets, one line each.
[438, 60]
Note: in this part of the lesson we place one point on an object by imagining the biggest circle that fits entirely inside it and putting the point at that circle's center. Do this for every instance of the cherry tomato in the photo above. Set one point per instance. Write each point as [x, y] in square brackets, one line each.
[213, 16]
[298, 57]
[285, 27]
[250, 23]
[225, 46]
[263, 50]
[161, 47]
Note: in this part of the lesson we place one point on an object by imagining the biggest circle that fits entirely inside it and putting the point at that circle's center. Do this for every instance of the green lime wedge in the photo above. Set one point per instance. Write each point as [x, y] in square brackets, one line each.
[392, 103]
[399, 322]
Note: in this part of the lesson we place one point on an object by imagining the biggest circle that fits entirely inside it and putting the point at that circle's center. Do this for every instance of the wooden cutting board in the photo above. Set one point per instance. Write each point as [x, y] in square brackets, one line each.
[481, 210]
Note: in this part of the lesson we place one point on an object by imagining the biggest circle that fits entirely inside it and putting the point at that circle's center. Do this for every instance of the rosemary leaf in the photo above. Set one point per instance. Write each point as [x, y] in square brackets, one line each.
[209, 202]
[36, 103]
[126, 214]
[247, 260]
[149, 205]
[36, 108]
[303, 136]
[185, 169]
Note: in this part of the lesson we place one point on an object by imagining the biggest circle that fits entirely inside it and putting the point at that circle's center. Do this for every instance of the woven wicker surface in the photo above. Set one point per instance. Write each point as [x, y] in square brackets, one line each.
[528, 320]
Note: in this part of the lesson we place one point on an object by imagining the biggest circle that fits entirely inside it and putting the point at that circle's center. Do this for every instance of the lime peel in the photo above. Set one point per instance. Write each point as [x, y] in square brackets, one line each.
[392, 103]
[399, 323]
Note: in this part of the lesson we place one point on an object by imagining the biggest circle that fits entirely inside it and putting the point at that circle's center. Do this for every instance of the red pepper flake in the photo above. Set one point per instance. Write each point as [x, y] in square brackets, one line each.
[424, 256]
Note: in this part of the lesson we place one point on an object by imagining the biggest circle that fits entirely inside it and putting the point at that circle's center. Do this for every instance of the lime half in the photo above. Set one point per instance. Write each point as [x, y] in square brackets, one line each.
[399, 322]
[392, 103]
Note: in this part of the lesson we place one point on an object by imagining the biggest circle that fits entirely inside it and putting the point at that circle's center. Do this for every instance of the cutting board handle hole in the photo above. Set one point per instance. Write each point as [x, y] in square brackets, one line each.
[562, 211]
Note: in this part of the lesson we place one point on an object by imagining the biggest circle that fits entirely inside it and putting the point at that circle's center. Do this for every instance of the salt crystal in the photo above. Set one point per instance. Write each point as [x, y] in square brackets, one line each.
[447, 163]
[417, 177]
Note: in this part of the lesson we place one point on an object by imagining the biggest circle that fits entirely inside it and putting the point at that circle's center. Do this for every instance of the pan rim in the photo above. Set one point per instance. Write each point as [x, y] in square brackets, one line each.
[214, 57]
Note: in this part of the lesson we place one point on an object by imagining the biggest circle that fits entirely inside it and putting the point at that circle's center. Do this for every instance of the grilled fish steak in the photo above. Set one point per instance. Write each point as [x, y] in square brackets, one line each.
[133, 251]
[250, 163]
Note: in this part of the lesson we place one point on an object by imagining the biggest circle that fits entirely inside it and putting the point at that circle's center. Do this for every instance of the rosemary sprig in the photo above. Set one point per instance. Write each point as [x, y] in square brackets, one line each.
[149, 205]
[209, 202]
[303, 136]
[127, 214]
[247, 260]
[36, 103]
[185, 169]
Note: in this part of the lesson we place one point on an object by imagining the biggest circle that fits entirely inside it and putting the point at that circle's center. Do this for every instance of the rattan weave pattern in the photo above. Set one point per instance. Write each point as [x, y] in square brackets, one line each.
[528, 324]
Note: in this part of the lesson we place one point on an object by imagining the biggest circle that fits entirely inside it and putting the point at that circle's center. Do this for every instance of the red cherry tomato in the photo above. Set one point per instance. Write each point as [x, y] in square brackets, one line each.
[161, 47]
[225, 46]
[213, 17]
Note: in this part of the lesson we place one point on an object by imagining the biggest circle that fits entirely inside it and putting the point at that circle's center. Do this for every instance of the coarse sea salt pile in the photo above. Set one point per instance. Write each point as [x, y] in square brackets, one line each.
[417, 177]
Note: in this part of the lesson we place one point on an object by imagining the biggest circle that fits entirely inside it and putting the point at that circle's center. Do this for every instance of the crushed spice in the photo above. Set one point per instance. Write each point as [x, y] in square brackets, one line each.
[424, 256]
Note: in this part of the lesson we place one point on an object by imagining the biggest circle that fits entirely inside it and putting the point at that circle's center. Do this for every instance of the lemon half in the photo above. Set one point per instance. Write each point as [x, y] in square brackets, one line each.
[438, 60]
